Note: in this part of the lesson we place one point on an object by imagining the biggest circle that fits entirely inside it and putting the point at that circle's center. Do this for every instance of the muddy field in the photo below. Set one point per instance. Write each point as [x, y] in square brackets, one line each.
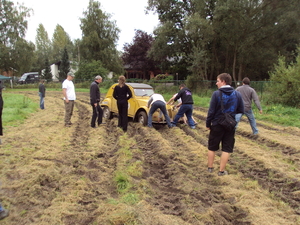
[51, 174]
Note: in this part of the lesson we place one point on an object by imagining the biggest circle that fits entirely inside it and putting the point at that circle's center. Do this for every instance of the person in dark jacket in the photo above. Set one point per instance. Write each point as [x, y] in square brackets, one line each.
[122, 94]
[95, 99]
[42, 91]
[233, 104]
[187, 105]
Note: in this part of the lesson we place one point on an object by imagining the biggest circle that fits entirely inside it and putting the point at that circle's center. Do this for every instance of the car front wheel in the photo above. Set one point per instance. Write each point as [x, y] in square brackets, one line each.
[107, 114]
[142, 118]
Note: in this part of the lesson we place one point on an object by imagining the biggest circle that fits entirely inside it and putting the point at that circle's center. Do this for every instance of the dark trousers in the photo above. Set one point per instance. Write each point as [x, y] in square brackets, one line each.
[123, 114]
[1, 108]
[219, 135]
[97, 113]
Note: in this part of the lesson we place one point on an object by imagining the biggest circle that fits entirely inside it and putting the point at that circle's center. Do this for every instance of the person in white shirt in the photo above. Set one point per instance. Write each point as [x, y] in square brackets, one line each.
[155, 102]
[69, 97]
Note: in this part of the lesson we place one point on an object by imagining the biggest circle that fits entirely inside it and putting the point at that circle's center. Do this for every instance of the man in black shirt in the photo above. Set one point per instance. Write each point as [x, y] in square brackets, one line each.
[95, 99]
[187, 105]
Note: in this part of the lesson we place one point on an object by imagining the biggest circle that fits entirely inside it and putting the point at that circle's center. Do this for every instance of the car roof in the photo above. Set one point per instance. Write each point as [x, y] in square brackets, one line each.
[139, 85]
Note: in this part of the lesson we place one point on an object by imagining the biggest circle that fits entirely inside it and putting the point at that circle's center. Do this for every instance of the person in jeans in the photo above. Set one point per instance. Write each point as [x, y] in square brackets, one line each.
[186, 107]
[95, 99]
[155, 102]
[233, 104]
[122, 94]
[42, 91]
[248, 95]
[69, 97]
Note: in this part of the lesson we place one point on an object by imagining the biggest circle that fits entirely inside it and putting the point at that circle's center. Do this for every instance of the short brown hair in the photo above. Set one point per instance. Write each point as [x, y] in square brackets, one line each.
[225, 77]
[246, 80]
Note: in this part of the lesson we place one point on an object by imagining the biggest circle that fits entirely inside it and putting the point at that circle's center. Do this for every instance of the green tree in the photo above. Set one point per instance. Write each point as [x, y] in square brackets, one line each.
[88, 70]
[13, 47]
[64, 67]
[47, 75]
[242, 37]
[43, 47]
[60, 40]
[99, 39]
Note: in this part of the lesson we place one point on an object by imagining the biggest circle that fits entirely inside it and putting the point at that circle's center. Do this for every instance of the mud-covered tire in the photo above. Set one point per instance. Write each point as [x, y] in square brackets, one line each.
[107, 114]
[142, 118]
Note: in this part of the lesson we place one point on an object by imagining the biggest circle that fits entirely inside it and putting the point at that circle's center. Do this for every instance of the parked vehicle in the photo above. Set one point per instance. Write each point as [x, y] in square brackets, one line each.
[31, 77]
[137, 105]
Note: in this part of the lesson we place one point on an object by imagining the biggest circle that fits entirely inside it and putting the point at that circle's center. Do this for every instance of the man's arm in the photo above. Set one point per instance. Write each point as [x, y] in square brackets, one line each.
[256, 101]
[149, 102]
[65, 94]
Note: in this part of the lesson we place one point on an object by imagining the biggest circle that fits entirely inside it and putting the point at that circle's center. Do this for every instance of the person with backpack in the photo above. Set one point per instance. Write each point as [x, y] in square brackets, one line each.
[232, 104]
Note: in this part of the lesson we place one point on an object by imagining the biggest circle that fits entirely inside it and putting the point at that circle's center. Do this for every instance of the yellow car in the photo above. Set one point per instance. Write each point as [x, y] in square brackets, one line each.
[137, 105]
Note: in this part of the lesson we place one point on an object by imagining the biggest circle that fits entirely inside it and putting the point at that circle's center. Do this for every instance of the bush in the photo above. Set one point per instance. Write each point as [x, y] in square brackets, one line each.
[285, 83]
[88, 71]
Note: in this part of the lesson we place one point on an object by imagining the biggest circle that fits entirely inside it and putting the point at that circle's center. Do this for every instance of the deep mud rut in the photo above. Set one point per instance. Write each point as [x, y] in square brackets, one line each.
[51, 174]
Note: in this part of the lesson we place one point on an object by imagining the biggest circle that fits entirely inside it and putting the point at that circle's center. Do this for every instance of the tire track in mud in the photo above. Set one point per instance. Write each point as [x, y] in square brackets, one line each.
[282, 187]
[89, 161]
[168, 161]
[289, 153]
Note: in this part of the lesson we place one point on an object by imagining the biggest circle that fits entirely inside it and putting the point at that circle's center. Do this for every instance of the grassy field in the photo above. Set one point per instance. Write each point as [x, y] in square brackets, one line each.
[51, 174]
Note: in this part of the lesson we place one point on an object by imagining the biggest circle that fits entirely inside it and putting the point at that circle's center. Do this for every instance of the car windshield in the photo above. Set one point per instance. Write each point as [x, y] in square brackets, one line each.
[143, 92]
[23, 77]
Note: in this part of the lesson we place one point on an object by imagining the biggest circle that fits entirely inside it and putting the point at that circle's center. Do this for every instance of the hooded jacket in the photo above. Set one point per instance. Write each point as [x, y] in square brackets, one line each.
[232, 101]
[186, 96]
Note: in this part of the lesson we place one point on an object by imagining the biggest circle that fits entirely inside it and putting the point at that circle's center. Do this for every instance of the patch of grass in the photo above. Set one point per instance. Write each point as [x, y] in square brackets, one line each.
[135, 169]
[122, 181]
[130, 198]
[17, 108]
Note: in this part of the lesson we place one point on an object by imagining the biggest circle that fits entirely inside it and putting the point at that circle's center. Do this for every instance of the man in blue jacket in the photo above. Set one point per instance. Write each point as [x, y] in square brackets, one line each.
[233, 104]
[187, 105]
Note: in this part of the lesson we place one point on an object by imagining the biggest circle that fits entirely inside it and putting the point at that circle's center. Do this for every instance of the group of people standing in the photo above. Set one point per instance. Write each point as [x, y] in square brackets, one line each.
[235, 102]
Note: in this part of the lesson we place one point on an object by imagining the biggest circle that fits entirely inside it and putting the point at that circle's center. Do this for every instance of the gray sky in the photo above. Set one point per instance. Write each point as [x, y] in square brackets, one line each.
[128, 14]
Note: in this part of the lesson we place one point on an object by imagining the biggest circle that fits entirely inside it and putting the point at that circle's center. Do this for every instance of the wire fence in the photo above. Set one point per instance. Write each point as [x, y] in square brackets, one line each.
[160, 86]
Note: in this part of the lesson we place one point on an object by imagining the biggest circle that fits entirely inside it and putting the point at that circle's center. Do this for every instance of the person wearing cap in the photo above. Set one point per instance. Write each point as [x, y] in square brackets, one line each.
[122, 94]
[69, 97]
[95, 99]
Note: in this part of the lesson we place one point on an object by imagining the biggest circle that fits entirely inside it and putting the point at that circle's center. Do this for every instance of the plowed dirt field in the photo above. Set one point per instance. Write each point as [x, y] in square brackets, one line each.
[51, 174]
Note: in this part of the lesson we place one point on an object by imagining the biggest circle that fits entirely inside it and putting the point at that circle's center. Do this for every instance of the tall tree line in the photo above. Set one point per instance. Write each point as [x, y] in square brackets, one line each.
[242, 37]
[98, 43]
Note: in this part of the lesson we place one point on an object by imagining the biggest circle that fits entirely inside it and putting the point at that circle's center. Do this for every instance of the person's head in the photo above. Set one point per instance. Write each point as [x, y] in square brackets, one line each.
[42, 81]
[223, 79]
[246, 81]
[122, 80]
[181, 86]
[70, 76]
[98, 79]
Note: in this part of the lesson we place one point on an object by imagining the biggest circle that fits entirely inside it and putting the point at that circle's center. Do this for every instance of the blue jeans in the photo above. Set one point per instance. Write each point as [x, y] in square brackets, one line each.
[251, 119]
[41, 101]
[186, 109]
[162, 106]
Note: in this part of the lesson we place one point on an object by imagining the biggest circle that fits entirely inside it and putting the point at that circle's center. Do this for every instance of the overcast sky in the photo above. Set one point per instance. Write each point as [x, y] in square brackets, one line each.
[128, 14]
